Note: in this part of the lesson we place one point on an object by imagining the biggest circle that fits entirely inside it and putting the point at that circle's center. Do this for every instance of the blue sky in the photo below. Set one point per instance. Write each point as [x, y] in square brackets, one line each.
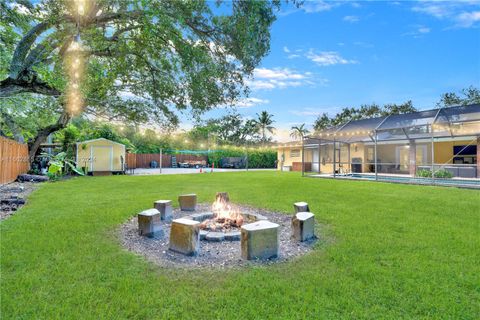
[329, 55]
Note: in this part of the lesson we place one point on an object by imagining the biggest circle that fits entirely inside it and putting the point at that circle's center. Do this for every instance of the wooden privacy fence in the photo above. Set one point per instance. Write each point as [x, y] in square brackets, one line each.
[13, 160]
[131, 160]
[143, 160]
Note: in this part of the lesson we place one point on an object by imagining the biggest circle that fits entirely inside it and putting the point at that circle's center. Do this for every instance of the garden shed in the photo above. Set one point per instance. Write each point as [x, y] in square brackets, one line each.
[101, 156]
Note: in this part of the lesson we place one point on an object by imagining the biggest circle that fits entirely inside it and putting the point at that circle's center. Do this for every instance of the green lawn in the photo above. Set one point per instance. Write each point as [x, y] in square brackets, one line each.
[393, 251]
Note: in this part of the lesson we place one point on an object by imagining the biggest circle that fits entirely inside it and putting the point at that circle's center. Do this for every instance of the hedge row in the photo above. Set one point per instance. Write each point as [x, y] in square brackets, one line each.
[256, 158]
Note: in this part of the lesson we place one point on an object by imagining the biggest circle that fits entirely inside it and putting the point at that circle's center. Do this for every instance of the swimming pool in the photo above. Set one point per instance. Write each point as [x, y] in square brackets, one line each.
[469, 183]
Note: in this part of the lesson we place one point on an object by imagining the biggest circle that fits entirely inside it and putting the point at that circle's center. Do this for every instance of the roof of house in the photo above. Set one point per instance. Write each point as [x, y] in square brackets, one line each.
[100, 139]
[440, 122]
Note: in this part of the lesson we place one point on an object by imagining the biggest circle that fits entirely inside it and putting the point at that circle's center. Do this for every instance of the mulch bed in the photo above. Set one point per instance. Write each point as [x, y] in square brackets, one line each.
[212, 254]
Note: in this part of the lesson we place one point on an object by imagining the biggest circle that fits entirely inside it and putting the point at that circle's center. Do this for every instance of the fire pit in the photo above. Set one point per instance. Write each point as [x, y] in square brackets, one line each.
[214, 253]
[224, 221]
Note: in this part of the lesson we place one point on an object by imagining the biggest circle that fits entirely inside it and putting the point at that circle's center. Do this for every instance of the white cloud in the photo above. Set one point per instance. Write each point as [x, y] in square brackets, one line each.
[278, 78]
[418, 32]
[318, 6]
[307, 112]
[437, 10]
[363, 44]
[285, 49]
[423, 30]
[351, 19]
[467, 19]
[251, 102]
[260, 84]
[282, 74]
[311, 7]
[328, 58]
[293, 56]
[464, 14]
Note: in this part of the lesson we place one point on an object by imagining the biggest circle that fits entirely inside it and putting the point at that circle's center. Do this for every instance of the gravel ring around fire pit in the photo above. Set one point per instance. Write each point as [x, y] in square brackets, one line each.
[212, 254]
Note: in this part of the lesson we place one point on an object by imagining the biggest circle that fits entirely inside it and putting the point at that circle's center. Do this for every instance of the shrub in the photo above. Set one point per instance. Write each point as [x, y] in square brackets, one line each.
[441, 174]
[424, 173]
[259, 158]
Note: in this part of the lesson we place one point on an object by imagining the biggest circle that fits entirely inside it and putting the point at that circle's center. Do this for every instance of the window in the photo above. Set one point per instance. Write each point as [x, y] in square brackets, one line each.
[295, 153]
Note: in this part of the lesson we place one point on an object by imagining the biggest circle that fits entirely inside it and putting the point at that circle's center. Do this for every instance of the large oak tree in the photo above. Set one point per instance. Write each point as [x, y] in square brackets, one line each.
[147, 60]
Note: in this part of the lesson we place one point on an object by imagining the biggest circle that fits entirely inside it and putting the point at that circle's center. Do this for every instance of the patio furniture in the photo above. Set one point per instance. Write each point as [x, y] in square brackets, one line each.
[357, 165]
[467, 172]
[232, 162]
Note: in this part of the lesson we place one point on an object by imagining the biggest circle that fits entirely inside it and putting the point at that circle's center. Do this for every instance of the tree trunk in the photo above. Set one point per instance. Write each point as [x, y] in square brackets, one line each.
[42, 135]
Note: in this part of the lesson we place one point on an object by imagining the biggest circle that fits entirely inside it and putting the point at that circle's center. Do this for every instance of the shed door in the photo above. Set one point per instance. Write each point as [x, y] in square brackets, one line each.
[102, 158]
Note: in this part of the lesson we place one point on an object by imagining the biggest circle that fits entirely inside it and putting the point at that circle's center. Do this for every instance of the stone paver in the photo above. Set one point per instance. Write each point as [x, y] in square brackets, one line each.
[215, 236]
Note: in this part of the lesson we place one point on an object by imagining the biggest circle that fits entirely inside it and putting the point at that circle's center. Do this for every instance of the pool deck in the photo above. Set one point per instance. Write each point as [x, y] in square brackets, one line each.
[470, 183]
[156, 171]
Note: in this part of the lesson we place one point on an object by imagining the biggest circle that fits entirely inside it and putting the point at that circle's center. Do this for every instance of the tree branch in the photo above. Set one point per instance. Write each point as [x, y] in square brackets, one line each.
[116, 35]
[105, 17]
[10, 87]
[23, 47]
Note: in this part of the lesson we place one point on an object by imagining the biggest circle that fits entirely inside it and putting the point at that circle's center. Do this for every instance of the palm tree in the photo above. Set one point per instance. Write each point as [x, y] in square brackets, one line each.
[298, 132]
[264, 123]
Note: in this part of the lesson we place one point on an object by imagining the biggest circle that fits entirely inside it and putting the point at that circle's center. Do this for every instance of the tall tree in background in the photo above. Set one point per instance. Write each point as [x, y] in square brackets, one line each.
[231, 128]
[364, 112]
[146, 59]
[298, 132]
[470, 95]
[322, 122]
[264, 123]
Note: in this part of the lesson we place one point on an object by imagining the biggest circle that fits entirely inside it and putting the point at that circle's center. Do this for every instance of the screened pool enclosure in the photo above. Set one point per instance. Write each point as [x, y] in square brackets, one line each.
[432, 146]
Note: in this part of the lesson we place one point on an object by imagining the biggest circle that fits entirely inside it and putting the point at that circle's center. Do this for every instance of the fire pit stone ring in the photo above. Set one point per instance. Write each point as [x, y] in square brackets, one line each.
[217, 236]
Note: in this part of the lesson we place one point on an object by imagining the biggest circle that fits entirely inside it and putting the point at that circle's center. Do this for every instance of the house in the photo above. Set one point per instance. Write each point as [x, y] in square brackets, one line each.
[442, 139]
[101, 156]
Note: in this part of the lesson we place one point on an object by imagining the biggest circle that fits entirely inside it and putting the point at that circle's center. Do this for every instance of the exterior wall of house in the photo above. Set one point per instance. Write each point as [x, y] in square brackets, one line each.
[386, 154]
[444, 150]
[287, 155]
[100, 155]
